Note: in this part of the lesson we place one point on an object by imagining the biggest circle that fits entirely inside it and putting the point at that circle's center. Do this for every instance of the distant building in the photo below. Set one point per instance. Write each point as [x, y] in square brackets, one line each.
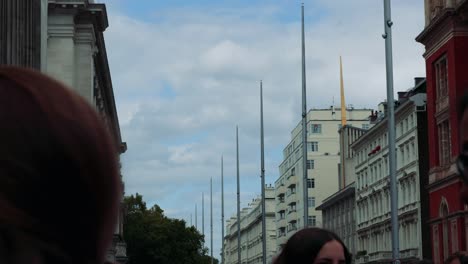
[374, 243]
[64, 39]
[251, 232]
[322, 166]
[338, 210]
[446, 41]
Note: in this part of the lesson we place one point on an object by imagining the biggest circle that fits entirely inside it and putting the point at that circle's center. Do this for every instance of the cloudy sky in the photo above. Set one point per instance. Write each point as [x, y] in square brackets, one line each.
[185, 73]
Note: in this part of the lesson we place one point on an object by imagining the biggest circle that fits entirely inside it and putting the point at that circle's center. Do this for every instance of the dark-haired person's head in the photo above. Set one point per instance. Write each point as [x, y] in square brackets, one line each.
[462, 160]
[457, 258]
[59, 181]
[422, 261]
[314, 246]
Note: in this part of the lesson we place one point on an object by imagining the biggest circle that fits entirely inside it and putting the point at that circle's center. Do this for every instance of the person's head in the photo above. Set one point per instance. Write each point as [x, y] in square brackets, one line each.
[457, 258]
[422, 261]
[314, 246]
[59, 181]
[462, 161]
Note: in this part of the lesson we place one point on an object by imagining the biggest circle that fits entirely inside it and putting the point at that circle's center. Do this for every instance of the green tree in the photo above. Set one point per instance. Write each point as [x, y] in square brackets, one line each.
[154, 238]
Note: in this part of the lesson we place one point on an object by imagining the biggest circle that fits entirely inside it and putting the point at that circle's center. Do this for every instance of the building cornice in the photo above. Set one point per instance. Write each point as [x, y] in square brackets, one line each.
[381, 126]
[446, 25]
[449, 217]
[441, 183]
[108, 90]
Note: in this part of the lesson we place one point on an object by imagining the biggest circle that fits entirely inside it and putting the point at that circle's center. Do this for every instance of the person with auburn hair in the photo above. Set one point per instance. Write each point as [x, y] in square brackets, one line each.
[314, 246]
[59, 182]
[457, 258]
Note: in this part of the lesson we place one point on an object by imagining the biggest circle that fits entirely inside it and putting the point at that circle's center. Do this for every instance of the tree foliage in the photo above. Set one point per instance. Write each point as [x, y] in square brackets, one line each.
[153, 238]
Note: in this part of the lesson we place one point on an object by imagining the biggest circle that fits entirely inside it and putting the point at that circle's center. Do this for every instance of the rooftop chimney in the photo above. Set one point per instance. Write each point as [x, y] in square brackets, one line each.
[418, 80]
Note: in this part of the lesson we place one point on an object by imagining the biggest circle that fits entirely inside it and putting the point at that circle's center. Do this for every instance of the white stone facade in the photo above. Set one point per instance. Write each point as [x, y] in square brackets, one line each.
[323, 158]
[338, 216]
[73, 51]
[373, 193]
[338, 210]
[251, 232]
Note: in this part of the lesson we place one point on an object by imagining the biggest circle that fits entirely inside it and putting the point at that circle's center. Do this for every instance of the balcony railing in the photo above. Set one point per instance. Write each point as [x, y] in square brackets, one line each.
[409, 253]
[380, 256]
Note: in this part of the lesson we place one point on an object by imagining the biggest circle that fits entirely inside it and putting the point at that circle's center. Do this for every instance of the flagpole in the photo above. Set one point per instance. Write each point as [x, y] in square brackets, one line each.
[222, 211]
[342, 95]
[211, 218]
[304, 129]
[238, 200]
[391, 131]
[262, 147]
[203, 217]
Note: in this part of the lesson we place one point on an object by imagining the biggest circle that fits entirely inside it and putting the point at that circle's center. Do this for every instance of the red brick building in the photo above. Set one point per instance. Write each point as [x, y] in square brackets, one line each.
[445, 37]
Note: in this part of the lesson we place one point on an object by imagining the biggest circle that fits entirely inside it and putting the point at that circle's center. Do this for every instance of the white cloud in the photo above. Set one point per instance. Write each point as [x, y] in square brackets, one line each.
[213, 61]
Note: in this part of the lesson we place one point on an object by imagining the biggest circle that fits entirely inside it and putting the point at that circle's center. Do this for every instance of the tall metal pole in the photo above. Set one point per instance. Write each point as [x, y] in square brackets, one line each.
[238, 200]
[222, 211]
[211, 218]
[391, 131]
[262, 162]
[196, 217]
[304, 129]
[191, 220]
[203, 217]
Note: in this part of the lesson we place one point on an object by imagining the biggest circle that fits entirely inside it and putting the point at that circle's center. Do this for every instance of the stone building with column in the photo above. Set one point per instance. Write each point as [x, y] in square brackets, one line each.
[64, 39]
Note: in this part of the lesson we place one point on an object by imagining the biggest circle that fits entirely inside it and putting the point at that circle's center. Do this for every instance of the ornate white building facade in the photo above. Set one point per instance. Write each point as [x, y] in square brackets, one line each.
[322, 167]
[372, 185]
[251, 232]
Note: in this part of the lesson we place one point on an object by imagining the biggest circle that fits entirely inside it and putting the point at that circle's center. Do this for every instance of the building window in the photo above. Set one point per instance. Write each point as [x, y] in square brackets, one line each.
[441, 78]
[408, 153]
[365, 126]
[312, 146]
[311, 201]
[310, 164]
[454, 233]
[316, 128]
[311, 183]
[281, 199]
[400, 158]
[293, 171]
[444, 142]
[311, 220]
[443, 213]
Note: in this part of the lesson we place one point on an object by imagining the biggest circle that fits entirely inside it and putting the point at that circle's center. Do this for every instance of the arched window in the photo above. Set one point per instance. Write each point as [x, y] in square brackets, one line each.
[443, 213]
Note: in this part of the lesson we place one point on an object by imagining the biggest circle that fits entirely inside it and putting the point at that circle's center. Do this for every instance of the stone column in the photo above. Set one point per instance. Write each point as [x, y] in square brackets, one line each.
[61, 48]
[20, 33]
[44, 26]
[84, 61]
